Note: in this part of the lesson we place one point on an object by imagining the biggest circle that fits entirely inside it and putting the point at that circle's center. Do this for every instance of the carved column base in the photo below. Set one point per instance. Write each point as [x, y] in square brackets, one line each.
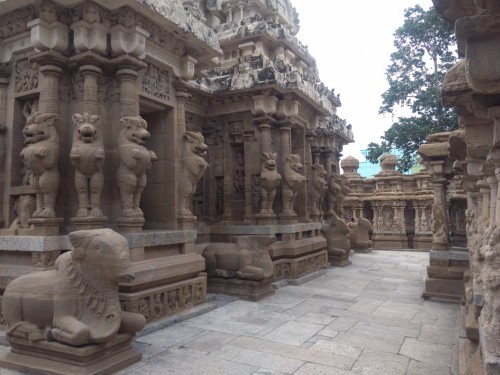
[89, 222]
[42, 227]
[266, 219]
[186, 222]
[315, 218]
[130, 224]
[56, 358]
[339, 261]
[288, 218]
[245, 289]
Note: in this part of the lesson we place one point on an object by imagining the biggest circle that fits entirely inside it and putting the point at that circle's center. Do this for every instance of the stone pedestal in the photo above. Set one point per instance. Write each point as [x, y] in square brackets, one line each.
[389, 240]
[55, 358]
[45, 226]
[266, 219]
[245, 289]
[130, 224]
[445, 274]
[339, 261]
[89, 222]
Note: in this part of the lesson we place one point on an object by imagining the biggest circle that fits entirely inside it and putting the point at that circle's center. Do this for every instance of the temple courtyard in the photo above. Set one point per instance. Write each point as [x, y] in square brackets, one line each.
[367, 318]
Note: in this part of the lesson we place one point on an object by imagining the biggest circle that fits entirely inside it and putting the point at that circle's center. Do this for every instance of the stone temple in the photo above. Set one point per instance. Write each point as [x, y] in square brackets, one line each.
[198, 135]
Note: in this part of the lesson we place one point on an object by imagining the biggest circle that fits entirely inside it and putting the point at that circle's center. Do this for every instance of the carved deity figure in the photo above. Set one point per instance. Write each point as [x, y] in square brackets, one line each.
[87, 156]
[491, 280]
[135, 160]
[40, 155]
[192, 169]
[337, 235]
[247, 259]
[269, 180]
[77, 302]
[317, 190]
[292, 181]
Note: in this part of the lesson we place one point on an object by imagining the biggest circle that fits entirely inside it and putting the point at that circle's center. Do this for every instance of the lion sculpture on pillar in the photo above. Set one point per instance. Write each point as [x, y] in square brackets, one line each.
[77, 302]
[40, 155]
[318, 188]
[192, 169]
[269, 180]
[292, 180]
[135, 160]
[87, 156]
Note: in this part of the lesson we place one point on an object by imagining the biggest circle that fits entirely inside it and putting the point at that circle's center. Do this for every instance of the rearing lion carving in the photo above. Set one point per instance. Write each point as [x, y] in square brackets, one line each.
[192, 169]
[40, 155]
[135, 160]
[87, 156]
[292, 180]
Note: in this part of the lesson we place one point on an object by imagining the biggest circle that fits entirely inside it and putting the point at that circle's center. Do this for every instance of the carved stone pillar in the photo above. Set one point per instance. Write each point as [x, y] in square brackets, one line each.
[248, 139]
[90, 75]
[4, 82]
[440, 228]
[129, 98]
[49, 93]
[44, 218]
[87, 155]
[265, 137]
[497, 198]
[493, 185]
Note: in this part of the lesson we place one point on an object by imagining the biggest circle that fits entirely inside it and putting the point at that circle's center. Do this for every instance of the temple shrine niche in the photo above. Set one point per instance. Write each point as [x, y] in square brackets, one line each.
[175, 123]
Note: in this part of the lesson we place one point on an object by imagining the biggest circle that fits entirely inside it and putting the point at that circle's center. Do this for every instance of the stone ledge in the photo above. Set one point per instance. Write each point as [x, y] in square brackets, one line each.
[268, 229]
[54, 243]
[450, 255]
[491, 363]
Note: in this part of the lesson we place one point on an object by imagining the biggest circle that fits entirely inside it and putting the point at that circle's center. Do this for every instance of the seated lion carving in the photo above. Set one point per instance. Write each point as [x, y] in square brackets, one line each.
[135, 160]
[87, 156]
[40, 155]
[360, 234]
[247, 259]
[77, 302]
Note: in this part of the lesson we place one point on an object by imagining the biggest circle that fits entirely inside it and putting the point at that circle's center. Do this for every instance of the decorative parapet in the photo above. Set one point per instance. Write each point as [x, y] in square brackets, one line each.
[174, 12]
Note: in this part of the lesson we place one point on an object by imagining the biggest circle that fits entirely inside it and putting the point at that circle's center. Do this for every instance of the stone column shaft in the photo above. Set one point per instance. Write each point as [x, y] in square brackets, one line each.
[49, 94]
[90, 74]
[265, 138]
[440, 230]
[129, 97]
[248, 176]
[285, 133]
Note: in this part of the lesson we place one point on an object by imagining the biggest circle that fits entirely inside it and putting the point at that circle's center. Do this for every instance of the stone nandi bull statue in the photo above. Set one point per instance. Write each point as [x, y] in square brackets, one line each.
[248, 258]
[77, 302]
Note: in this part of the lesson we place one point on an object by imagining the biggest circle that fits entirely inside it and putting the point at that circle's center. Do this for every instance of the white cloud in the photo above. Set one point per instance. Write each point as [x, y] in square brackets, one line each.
[352, 42]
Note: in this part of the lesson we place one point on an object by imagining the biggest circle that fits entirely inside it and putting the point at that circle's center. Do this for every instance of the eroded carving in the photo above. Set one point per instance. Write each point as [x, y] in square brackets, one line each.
[87, 156]
[135, 160]
[360, 234]
[77, 302]
[246, 259]
[192, 169]
[337, 237]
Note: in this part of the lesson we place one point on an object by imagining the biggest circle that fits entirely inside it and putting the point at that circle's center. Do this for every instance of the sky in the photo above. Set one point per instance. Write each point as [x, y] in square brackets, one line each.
[352, 42]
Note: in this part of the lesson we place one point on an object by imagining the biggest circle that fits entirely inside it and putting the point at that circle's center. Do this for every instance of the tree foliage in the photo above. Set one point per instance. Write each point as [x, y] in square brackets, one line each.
[423, 55]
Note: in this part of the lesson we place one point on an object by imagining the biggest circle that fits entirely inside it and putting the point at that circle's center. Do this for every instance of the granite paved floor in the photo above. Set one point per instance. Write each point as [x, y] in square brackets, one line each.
[367, 318]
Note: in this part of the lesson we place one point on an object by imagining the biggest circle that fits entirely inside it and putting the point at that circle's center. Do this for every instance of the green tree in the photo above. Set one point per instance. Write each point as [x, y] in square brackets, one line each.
[423, 55]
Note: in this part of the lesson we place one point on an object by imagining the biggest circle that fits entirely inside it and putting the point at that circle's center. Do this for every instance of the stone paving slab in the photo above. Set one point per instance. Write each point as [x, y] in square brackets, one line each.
[367, 318]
